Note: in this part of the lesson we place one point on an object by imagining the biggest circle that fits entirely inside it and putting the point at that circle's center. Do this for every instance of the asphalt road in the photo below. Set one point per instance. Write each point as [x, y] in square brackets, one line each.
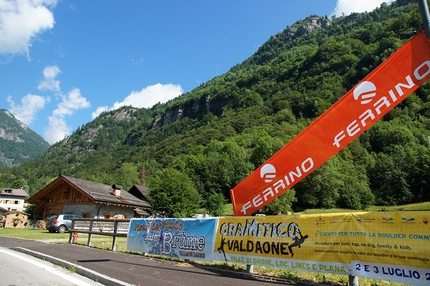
[21, 269]
[117, 268]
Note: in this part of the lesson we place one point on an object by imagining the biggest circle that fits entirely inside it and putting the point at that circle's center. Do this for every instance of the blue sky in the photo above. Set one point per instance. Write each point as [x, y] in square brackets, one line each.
[63, 62]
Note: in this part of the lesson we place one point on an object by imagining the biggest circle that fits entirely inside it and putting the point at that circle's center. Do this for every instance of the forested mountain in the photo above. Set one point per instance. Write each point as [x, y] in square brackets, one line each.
[225, 128]
[18, 143]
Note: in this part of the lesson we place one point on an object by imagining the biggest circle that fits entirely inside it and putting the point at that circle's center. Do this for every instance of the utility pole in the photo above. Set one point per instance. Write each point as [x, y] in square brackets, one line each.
[424, 10]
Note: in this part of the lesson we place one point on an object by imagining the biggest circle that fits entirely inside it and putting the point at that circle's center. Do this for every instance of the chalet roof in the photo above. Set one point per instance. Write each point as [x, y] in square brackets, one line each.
[140, 191]
[103, 193]
[141, 212]
[100, 193]
[14, 192]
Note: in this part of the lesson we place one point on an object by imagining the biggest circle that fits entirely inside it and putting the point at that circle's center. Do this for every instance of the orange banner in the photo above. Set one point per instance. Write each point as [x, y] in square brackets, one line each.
[390, 83]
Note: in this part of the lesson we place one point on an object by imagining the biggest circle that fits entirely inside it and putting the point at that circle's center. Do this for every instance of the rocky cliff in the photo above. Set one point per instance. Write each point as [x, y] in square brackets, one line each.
[18, 143]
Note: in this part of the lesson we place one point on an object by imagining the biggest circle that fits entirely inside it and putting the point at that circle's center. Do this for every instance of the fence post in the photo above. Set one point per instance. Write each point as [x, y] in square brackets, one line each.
[90, 234]
[115, 229]
[353, 280]
[249, 268]
[73, 227]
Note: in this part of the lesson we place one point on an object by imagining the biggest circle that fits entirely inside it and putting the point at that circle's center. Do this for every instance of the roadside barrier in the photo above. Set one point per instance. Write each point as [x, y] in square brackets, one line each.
[110, 227]
[391, 246]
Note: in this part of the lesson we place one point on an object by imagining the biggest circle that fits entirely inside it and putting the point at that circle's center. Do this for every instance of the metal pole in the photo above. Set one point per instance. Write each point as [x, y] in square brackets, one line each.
[424, 10]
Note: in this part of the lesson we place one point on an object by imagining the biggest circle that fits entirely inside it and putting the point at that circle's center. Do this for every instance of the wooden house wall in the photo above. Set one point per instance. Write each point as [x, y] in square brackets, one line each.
[55, 203]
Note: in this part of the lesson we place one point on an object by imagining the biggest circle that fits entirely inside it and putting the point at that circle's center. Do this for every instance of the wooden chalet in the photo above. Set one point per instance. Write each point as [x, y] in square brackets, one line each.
[70, 195]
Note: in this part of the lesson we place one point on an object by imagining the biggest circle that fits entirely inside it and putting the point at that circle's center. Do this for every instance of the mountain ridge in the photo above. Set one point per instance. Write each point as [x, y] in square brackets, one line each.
[18, 143]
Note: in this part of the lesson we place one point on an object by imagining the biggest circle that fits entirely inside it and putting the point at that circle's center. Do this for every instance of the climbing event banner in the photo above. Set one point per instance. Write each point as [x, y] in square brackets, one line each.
[191, 239]
[378, 93]
[388, 246]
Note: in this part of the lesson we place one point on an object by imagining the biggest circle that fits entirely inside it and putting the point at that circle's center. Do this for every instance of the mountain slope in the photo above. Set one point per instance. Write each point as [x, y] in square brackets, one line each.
[218, 133]
[18, 143]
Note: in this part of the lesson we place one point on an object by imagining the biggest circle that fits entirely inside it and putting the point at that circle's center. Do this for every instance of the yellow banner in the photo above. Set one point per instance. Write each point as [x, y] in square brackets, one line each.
[391, 246]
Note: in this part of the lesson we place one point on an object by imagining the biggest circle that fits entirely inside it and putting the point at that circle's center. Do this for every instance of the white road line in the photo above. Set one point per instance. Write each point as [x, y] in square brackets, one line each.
[44, 266]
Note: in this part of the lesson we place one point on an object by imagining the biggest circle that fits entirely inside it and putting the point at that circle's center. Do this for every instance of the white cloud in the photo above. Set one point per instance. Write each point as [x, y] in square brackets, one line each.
[30, 106]
[99, 110]
[21, 21]
[49, 83]
[147, 97]
[151, 95]
[347, 6]
[58, 128]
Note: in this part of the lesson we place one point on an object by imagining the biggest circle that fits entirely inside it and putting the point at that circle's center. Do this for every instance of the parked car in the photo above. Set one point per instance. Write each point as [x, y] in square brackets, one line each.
[60, 222]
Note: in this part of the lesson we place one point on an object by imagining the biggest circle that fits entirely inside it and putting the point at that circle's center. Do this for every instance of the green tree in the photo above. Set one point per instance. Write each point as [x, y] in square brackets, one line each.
[217, 167]
[281, 205]
[389, 181]
[337, 183]
[355, 192]
[266, 147]
[173, 194]
[20, 184]
[214, 204]
[127, 175]
[321, 188]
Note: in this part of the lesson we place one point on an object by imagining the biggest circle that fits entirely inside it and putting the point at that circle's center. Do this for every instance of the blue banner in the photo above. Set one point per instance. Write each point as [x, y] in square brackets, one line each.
[192, 239]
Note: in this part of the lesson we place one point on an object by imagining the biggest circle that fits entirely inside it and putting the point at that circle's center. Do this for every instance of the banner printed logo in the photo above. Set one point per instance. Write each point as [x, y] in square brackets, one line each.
[251, 238]
[268, 173]
[180, 238]
[365, 92]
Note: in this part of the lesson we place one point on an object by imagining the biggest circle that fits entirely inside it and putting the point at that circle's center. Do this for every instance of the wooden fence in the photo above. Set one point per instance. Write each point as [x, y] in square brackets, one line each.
[111, 227]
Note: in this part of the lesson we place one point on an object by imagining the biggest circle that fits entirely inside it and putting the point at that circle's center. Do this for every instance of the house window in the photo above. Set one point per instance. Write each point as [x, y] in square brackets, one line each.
[86, 214]
[16, 202]
[66, 194]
